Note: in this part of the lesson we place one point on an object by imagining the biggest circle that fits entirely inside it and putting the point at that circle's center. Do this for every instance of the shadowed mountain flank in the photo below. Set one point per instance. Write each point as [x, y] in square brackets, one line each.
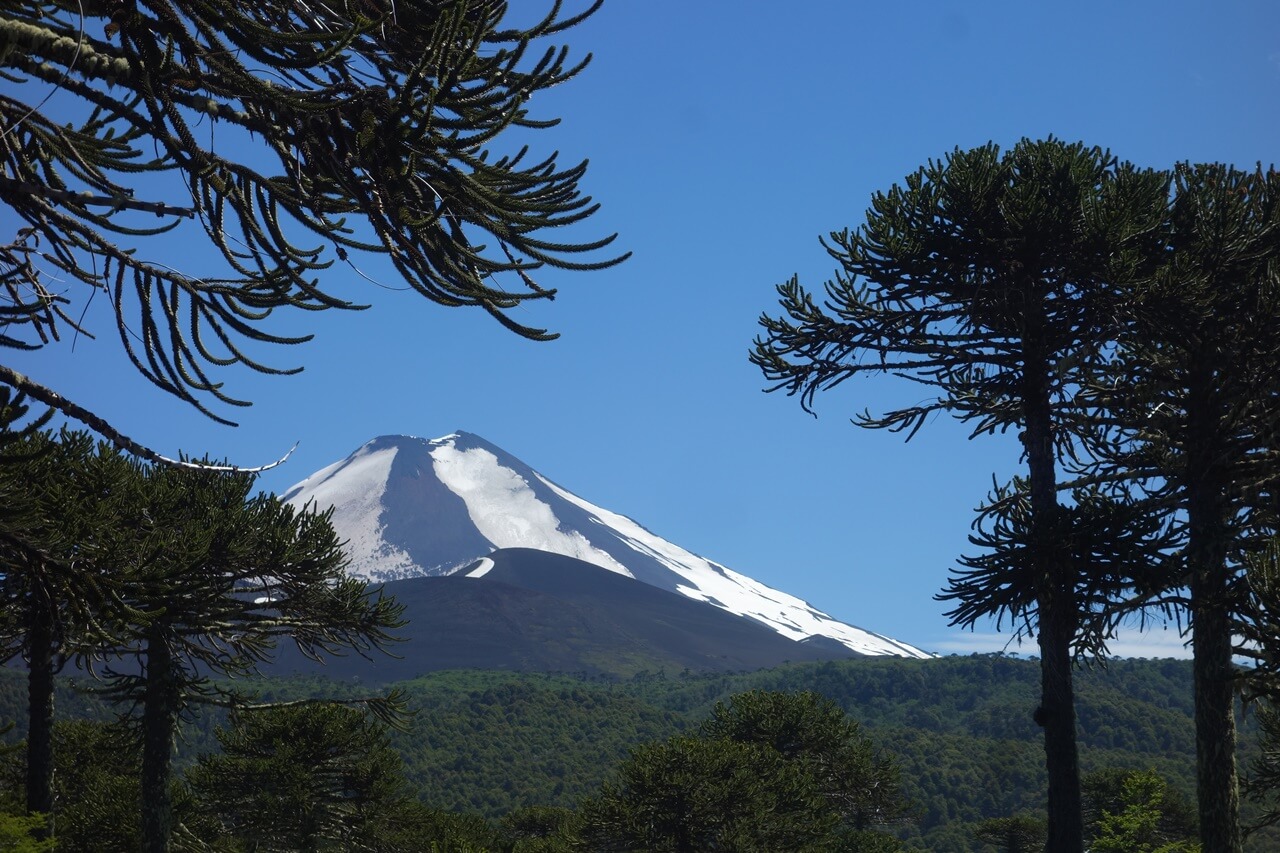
[539, 612]
[421, 516]
[411, 507]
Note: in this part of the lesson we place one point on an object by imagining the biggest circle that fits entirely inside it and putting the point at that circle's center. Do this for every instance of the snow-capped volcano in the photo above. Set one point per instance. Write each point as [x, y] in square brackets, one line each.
[413, 507]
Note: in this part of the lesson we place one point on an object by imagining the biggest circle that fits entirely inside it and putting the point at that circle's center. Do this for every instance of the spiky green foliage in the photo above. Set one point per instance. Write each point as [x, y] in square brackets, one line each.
[1192, 419]
[691, 794]
[1261, 637]
[1137, 808]
[1139, 813]
[541, 829]
[97, 788]
[220, 576]
[224, 574]
[288, 135]
[1118, 552]
[18, 834]
[301, 778]
[1263, 782]
[767, 771]
[859, 784]
[60, 494]
[987, 278]
[1017, 834]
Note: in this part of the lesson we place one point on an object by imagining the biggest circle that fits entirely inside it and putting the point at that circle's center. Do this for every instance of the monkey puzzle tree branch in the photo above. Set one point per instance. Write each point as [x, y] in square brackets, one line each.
[116, 202]
[378, 120]
[61, 404]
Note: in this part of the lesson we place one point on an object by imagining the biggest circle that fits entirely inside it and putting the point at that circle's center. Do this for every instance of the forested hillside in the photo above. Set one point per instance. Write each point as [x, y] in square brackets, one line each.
[960, 729]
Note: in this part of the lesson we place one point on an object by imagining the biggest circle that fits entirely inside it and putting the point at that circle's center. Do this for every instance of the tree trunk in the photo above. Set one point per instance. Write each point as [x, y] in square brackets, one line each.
[1212, 610]
[1217, 790]
[1057, 713]
[1055, 600]
[159, 726]
[40, 713]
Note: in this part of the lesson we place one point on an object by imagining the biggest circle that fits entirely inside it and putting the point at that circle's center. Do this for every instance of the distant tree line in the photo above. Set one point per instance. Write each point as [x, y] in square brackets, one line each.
[767, 771]
[486, 749]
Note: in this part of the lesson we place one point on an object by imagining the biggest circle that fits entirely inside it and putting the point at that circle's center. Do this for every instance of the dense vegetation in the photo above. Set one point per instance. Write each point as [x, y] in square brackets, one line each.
[491, 745]
[158, 579]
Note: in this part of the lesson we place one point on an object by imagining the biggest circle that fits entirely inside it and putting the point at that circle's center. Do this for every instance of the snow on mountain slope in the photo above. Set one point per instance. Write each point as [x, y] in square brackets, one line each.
[414, 507]
[354, 488]
[506, 511]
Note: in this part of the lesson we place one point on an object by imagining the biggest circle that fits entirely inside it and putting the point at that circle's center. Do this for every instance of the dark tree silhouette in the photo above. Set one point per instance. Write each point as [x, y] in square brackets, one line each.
[1019, 834]
[1192, 419]
[220, 577]
[690, 794]
[987, 277]
[859, 783]
[304, 777]
[289, 136]
[56, 602]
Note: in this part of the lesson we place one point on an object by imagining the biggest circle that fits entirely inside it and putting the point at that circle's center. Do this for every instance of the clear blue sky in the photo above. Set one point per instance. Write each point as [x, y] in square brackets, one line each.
[724, 138]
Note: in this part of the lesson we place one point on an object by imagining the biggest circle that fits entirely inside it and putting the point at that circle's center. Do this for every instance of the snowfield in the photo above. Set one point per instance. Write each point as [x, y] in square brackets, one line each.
[353, 487]
[506, 511]
[503, 503]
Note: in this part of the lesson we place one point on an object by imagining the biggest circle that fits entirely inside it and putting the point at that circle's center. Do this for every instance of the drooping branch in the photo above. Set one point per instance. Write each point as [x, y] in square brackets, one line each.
[114, 203]
[377, 119]
[76, 412]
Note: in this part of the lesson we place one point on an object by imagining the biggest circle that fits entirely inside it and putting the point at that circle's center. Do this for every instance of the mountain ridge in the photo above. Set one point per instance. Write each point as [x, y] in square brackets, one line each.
[412, 507]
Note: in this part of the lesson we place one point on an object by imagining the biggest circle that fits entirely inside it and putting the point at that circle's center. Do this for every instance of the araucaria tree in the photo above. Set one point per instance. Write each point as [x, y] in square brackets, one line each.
[1192, 416]
[987, 277]
[858, 782]
[1262, 784]
[767, 771]
[221, 576]
[289, 136]
[181, 572]
[302, 777]
[58, 494]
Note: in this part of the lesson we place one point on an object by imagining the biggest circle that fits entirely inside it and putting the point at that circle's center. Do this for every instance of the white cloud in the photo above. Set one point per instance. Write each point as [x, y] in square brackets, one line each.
[1128, 644]
[972, 642]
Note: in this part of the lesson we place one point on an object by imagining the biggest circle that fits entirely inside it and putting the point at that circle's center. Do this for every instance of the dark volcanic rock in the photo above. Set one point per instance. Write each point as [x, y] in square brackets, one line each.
[542, 612]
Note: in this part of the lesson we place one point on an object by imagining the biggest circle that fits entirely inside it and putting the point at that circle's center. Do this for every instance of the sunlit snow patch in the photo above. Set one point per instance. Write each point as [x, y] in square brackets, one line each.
[506, 511]
[353, 487]
[722, 587]
[502, 507]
